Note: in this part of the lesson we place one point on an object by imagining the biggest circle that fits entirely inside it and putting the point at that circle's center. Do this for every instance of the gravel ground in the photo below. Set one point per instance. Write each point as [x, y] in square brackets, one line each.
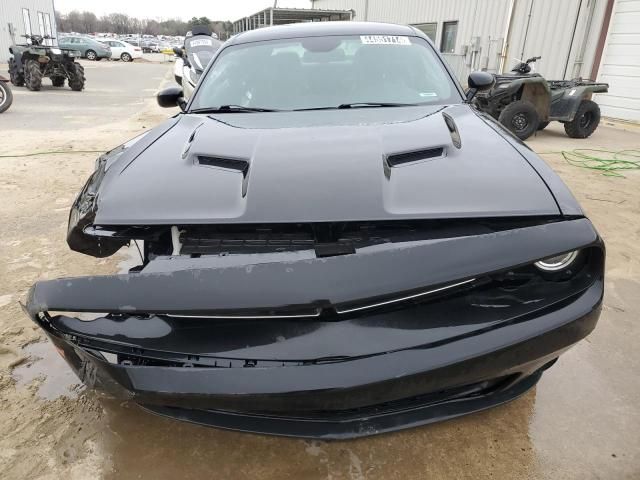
[581, 421]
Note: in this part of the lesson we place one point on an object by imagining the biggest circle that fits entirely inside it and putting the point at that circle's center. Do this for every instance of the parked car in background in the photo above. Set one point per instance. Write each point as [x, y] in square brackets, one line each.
[150, 46]
[89, 48]
[122, 50]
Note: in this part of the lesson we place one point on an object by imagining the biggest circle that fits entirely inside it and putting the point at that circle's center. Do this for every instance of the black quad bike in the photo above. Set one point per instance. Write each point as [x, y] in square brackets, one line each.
[6, 97]
[30, 63]
[525, 102]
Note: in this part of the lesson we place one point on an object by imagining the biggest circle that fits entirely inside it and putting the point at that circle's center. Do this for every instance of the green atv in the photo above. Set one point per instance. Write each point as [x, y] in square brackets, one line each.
[525, 102]
[29, 64]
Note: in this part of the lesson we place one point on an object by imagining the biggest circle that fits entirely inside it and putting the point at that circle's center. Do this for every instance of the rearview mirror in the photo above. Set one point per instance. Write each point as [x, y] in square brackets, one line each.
[478, 81]
[171, 97]
[177, 51]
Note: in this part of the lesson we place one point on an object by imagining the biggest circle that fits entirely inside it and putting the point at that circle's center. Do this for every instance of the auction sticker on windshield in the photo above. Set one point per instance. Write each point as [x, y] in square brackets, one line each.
[384, 40]
[201, 43]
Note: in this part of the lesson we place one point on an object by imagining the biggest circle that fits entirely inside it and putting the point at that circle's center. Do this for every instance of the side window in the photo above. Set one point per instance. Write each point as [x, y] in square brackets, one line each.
[449, 33]
[47, 28]
[429, 29]
[26, 18]
[41, 24]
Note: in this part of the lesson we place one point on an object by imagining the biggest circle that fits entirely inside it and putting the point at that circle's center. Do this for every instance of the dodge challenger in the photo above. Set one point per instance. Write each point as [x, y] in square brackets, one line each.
[333, 243]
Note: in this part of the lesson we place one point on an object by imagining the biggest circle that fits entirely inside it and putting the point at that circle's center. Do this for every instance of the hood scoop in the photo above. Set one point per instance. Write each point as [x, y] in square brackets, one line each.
[233, 164]
[399, 159]
[408, 158]
[236, 164]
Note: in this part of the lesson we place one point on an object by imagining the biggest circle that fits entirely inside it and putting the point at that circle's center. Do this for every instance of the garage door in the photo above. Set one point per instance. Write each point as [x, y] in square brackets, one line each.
[620, 66]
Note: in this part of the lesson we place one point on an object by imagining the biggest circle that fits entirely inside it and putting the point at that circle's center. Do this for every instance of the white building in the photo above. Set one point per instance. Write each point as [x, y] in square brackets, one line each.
[24, 17]
[597, 39]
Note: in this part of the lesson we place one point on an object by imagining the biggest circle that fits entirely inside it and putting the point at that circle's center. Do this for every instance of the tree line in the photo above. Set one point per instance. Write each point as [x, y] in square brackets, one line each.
[120, 23]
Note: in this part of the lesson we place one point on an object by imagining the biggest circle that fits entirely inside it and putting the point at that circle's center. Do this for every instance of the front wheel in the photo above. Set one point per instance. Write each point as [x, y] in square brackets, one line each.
[586, 120]
[91, 55]
[16, 78]
[76, 77]
[126, 57]
[6, 97]
[33, 75]
[521, 118]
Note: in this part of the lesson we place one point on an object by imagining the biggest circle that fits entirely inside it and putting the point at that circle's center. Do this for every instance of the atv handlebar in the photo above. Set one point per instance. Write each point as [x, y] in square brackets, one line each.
[532, 60]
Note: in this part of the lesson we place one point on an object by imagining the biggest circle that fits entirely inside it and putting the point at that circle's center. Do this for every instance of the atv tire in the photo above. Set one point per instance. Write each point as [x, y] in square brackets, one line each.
[16, 78]
[543, 125]
[585, 122]
[76, 77]
[33, 75]
[58, 81]
[520, 118]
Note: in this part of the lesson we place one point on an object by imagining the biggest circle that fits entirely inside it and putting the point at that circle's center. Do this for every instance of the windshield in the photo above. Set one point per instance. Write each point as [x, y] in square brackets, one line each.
[200, 50]
[326, 72]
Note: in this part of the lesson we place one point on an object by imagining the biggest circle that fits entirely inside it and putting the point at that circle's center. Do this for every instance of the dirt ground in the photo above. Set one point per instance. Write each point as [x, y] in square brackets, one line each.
[582, 421]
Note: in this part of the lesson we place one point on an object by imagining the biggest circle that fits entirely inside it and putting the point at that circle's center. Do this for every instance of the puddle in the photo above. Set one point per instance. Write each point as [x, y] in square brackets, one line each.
[46, 363]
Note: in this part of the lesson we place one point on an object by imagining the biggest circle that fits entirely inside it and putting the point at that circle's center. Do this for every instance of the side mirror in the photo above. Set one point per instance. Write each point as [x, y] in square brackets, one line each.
[478, 81]
[178, 51]
[171, 97]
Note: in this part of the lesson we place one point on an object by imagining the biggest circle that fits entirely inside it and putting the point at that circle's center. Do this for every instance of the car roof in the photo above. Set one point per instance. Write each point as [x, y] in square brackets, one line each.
[321, 29]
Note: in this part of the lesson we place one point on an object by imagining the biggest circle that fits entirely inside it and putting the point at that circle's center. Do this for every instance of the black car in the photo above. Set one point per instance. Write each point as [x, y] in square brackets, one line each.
[335, 243]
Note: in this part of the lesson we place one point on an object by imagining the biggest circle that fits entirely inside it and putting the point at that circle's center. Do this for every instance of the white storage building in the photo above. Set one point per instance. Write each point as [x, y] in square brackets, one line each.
[597, 39]
[22, 17]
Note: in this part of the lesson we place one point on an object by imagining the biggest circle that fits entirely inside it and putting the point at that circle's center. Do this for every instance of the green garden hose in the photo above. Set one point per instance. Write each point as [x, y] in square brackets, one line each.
[609, 162]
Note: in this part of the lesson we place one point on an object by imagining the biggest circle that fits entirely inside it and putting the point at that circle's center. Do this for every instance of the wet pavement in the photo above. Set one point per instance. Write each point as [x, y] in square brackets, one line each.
[582, 421]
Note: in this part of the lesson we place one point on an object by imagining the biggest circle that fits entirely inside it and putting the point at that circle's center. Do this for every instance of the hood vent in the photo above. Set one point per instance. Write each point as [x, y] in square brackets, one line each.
[399, 159]
[226, 163]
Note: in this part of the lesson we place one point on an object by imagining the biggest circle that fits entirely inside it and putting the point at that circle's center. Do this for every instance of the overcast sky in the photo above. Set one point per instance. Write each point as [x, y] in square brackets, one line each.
[185, 9]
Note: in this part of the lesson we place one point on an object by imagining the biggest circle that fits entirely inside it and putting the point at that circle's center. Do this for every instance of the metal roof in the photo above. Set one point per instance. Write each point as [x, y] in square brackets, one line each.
[282, 16]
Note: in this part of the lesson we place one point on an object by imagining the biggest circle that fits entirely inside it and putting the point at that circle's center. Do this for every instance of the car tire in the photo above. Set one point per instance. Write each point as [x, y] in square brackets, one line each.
[6, 97]
[543, 125]
[33, 75]
[520, 118]
[126, 57]
[91, 55]
[76, 77]
[17, 79]
[585, 122]
[58, 81]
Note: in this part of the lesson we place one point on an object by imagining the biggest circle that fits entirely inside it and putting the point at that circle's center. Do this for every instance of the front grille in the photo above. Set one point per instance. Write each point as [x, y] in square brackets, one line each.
[337, 238]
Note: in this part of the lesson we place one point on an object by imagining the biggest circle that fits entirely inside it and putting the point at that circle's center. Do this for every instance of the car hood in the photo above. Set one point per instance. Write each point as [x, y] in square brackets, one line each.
[321, 166]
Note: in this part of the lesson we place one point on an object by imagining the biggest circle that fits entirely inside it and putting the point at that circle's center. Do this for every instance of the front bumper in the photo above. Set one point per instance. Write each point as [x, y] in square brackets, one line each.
[323, 377]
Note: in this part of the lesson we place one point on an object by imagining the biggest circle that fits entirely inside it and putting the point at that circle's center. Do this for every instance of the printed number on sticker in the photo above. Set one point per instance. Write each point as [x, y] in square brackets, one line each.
[384, 40]
[201, 43]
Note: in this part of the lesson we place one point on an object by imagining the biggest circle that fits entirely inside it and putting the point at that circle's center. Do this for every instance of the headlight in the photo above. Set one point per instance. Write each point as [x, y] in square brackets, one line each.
[557, 262]
[56, 51]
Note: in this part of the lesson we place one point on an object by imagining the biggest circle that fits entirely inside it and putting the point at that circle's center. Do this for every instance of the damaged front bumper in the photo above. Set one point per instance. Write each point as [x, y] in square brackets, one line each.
[338, 347]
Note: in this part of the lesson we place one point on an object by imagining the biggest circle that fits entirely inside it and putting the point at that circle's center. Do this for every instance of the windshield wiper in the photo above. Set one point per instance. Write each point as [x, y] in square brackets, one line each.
[359, 105]
[232, 109]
